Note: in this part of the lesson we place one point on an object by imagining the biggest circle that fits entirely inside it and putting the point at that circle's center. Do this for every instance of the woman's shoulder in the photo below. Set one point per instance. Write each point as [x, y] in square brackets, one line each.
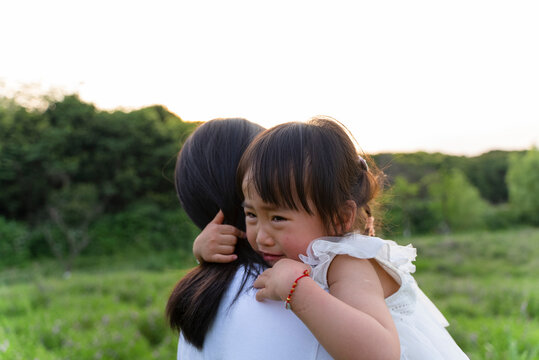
[242, 324]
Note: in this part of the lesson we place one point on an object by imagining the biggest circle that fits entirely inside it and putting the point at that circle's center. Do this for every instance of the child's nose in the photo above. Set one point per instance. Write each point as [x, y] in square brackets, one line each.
[263, 238]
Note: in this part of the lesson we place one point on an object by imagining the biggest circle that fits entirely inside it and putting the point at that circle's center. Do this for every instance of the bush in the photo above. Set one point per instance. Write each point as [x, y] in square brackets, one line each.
[142, 227]
[455, 201]
[500, 217]
[442, 201]
[523, 183]
[13, 243]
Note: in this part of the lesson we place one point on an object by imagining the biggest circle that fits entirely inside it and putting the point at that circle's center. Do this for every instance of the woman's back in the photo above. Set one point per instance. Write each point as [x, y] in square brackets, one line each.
[248, 329]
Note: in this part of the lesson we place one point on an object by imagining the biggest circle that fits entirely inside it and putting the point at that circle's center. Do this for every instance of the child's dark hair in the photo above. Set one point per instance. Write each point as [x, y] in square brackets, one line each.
[205, 182]
[292, 163]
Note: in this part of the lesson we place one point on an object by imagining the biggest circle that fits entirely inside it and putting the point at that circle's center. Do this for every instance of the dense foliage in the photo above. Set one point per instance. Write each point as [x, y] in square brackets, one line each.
[444, 193]
[523, 179]
[77, 180]
[66, 170]
[486, 172]
[126, 156]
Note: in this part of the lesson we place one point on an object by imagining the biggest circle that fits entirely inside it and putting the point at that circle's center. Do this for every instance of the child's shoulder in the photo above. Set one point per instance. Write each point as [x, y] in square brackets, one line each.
[345, 266]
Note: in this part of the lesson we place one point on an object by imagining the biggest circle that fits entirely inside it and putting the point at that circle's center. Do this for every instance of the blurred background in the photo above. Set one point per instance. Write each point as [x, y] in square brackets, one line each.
[97, 98]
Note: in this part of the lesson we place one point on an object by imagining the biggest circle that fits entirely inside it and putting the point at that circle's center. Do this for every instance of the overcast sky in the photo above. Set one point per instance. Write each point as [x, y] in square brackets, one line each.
[460, 77]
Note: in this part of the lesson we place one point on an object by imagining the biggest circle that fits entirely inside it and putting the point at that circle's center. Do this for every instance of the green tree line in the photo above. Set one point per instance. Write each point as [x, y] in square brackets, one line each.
[429, 193]
[76, 180]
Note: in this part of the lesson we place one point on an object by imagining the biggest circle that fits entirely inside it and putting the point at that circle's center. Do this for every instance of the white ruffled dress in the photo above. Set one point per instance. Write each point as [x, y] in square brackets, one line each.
[420, 324]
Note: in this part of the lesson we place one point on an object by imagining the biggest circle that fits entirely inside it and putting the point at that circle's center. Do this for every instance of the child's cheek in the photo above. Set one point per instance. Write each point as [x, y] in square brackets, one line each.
[251, 238]
[291, 247]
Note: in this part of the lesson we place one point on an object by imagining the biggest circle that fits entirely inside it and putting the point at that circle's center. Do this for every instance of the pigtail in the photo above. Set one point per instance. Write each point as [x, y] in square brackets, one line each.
[370, 183]
[369, 223]
[193, 304]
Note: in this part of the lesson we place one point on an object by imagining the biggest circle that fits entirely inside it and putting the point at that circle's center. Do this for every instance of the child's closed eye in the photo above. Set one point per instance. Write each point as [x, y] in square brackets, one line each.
[278, 218]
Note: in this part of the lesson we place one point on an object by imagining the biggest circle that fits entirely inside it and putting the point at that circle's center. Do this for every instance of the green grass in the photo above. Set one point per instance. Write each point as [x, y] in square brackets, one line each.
[486, 284]
[112, 308]
[90, 315]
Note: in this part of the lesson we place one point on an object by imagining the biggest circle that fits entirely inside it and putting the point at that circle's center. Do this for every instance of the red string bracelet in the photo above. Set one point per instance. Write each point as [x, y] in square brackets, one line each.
[287, 302]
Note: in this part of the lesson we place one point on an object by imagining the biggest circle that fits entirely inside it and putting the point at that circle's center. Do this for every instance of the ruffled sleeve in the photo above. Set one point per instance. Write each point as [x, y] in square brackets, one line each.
[321, 252]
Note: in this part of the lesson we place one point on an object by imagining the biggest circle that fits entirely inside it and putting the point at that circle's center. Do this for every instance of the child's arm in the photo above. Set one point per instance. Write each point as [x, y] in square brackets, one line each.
[217, 241]
[352, 321]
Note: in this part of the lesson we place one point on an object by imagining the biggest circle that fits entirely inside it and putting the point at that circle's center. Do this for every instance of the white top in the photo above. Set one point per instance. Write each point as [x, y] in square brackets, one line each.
[420, 324]
[248, 329]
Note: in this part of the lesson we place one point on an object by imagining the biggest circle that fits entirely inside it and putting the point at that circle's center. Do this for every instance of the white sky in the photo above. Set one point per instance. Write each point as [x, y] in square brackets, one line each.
[458, 76]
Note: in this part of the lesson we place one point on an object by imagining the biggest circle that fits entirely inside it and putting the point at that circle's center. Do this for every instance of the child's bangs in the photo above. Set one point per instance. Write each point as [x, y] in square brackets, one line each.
[275, 169]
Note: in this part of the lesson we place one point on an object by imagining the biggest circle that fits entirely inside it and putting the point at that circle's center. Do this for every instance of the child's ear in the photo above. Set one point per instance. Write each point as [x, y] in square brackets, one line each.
[348, 215]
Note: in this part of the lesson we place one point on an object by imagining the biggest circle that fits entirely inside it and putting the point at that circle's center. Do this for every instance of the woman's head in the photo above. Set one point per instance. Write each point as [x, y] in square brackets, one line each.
[205, 182]
[206, 170]
[312, 167]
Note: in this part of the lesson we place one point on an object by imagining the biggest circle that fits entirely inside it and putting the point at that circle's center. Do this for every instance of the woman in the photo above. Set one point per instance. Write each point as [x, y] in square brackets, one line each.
[214, 305]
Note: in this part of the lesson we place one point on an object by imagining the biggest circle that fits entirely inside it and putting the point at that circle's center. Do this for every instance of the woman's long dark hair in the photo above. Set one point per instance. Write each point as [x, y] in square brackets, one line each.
[205, 182]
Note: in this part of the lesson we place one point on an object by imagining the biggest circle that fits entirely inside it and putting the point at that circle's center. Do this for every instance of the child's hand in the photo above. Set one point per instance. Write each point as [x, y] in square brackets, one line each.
[217, 241]
[275, 283]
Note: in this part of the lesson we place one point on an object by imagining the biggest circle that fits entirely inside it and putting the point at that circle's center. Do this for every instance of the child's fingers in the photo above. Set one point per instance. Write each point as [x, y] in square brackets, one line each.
[229, 240]
[220, 258]
[260, 282]
[231, 230]
[261, 295]
[224, 249]
[228, 229]
[240, 234]
[219, 218]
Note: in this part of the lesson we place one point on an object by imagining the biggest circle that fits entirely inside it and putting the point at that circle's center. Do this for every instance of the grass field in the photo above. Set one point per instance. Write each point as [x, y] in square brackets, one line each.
[485, 283]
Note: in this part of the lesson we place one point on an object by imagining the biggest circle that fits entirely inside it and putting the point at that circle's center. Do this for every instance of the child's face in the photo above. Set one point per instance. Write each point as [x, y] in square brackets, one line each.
[277, 233]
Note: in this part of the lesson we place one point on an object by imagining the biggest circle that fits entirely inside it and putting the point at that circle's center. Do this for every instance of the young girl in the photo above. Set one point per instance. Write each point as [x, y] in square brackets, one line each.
[306, 193]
